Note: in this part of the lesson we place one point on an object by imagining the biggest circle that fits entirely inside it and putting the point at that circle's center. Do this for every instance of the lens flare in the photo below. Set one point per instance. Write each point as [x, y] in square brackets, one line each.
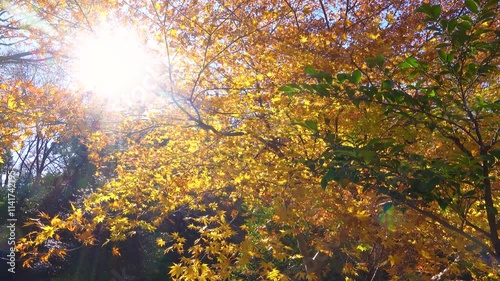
[111, 62]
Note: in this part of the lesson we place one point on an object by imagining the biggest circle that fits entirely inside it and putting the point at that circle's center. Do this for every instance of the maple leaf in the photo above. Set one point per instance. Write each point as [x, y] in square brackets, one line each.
[116, 251]
[160, 242]
[176, 270]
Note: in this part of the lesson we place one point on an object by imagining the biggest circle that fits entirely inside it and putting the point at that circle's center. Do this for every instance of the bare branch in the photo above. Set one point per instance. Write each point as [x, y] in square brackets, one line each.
[324, 14]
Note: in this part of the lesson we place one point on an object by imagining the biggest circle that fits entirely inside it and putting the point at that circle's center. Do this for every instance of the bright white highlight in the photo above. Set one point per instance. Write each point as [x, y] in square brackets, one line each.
[110, 62]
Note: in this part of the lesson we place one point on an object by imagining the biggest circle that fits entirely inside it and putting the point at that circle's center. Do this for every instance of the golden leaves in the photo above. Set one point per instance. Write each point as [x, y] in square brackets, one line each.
[228, 64]
[48, 228]
[11, 103]
[194, 271]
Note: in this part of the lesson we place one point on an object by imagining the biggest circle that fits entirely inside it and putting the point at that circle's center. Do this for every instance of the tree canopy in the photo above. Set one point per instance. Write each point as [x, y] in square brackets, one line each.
[277, 140]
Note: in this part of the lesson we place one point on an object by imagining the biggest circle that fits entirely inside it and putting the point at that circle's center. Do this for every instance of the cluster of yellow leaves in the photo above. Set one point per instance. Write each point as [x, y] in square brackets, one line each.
[49, 229]
[27, 109]
[195, 271]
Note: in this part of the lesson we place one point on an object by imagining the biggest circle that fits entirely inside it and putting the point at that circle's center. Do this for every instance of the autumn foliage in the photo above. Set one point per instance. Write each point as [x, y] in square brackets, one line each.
[298, 140]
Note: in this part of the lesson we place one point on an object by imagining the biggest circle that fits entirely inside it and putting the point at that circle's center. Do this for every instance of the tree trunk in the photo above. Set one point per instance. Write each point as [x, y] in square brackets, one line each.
[490, 209]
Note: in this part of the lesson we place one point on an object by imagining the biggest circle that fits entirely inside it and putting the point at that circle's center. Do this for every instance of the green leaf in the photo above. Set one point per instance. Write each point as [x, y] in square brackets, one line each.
[355, 77]
[413, 74]
[435, 11]
[466, 18]
[310, 70]
[307, 87]
[312, 125]
[387, 85]
[290, 89]
[410, 62]
[450, 57]
[425, 8]
[342, 77]
[387, 206]
[443, 23]
[368, 156]
[371, 62]
[430, 93]
[323, 77]
[380, 60]
[321, 89]
[465, 26]
[404, 65]
[364, 247]
[423, 66]
[329, 176]
[285, 89]
[495, 153]
[458, 37]
[432, 12]
[442, 56]
[472, 5]
[451, 25]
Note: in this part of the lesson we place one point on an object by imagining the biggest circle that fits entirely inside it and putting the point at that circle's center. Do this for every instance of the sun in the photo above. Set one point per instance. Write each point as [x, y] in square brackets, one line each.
[111, 62]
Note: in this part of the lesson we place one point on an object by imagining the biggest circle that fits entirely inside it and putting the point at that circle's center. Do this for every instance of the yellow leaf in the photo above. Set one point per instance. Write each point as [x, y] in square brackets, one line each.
[176, 270]
[160, 242]
[44, 215]
[27, 263]
[116, 252]
[45, 258]
[173, 32]
[274, 275]
[55, 221]
[99, 219]
[373, 36]
[11, 103]
[49, 231]
[205, 270]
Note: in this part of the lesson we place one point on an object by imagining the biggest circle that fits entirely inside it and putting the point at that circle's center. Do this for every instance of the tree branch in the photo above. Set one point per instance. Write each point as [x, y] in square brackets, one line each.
[324, 14]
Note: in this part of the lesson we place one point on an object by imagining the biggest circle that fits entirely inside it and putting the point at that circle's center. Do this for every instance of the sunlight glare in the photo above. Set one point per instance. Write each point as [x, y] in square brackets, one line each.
[111, 62]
